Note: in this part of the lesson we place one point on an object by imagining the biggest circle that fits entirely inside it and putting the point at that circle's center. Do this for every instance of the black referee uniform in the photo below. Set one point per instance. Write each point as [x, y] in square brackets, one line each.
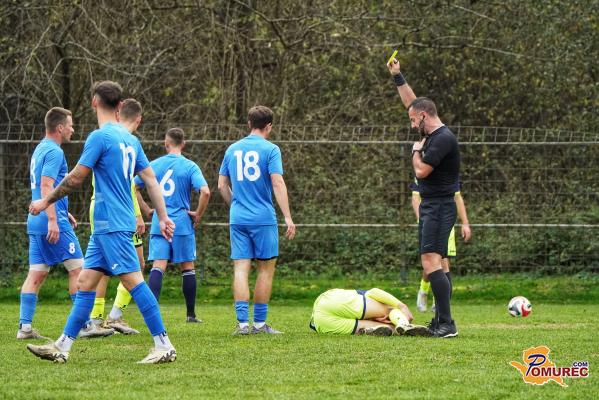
[438, 211]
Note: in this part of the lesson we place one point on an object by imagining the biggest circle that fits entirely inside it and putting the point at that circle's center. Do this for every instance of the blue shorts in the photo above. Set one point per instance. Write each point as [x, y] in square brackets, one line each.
[181, 249]
[42, 252]
[112, 253]
[254, 241]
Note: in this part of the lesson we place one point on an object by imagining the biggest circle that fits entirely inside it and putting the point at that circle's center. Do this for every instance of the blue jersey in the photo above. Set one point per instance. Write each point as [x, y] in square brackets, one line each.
[177, 176]
[115, 156]
[47, 160]
[248, 164]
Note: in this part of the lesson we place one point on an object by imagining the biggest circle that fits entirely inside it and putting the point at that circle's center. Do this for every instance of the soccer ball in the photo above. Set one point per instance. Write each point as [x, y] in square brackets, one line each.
[519, 306]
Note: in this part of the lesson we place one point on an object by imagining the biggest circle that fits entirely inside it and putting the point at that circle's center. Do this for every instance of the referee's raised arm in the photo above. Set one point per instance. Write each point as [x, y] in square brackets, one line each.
[405, 91]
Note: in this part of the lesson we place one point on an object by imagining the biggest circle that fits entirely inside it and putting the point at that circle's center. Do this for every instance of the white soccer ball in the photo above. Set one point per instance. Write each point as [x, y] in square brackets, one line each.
[519, 306]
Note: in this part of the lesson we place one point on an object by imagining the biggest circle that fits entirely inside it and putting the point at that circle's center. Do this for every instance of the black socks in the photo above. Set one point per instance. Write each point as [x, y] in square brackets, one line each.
[189, 287]
[441, 286]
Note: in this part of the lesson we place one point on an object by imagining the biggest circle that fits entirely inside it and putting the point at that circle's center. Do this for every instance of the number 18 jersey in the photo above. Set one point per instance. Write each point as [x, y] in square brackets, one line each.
[248, 163]
[115, 156]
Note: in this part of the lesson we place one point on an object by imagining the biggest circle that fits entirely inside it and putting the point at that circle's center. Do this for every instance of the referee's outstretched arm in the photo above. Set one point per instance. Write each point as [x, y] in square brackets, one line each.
[405, 91]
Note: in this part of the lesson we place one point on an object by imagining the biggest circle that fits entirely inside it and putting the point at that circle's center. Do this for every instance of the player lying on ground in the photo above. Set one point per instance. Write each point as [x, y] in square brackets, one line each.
[363, 312]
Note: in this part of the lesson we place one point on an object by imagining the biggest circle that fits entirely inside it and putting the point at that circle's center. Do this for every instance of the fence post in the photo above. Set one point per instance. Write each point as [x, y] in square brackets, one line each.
[202, 253]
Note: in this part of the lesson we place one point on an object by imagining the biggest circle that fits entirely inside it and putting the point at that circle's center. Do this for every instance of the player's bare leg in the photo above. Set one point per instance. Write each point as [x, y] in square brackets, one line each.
[374, 328]
[140, 257]
[73, 277]
[378, 312]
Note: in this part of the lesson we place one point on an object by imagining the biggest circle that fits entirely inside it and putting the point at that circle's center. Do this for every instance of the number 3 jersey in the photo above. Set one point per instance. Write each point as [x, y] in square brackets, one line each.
[115, 156]
[177, 176]
[248, 163]
[47, 160]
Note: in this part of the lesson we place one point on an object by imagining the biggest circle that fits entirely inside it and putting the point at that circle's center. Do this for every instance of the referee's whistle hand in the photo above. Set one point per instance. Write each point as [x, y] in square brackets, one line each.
[418, 145]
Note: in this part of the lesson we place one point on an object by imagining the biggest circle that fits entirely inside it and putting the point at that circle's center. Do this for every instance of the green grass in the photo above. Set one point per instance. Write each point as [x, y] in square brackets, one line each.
[579, 288]
[302, 364]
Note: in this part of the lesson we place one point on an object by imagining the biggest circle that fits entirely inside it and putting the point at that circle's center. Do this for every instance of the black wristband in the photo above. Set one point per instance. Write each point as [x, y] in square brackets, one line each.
[416, 151]
[399, 79]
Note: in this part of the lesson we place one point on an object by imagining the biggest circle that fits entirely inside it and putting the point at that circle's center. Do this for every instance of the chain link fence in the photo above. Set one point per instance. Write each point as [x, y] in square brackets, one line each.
[532, 197]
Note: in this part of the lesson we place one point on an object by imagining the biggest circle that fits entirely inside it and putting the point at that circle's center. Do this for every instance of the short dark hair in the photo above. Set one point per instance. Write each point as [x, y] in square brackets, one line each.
[109, 93]
[130, 109]
[176, 136]
[424, 104]
[259, 117]
[54, 117]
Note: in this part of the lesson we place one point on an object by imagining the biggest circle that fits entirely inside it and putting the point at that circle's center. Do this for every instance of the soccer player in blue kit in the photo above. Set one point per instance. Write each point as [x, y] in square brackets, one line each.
[178, 176]
[251, 171]
[51, 236]
[114, 156]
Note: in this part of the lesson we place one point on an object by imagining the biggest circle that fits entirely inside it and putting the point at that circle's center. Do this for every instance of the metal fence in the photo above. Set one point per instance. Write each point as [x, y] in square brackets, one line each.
[532, 197]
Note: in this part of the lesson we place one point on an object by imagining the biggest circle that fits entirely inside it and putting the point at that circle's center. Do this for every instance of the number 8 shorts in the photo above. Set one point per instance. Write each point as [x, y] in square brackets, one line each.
[42, 252]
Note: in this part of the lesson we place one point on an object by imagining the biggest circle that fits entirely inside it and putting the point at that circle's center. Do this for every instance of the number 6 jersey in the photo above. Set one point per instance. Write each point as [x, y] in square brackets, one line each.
[177, 177]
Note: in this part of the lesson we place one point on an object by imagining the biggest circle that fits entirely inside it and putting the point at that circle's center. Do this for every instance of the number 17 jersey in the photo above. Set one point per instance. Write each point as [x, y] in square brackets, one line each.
[115, 156]
[248, 163]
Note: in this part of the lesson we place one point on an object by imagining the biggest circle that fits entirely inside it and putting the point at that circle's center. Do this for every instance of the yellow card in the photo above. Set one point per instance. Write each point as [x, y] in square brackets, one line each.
[392, 57]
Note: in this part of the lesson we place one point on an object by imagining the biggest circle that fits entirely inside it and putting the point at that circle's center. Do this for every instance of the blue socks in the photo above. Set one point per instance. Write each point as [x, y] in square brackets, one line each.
[260, 312]
[82, 307]
[148, 306]
[242, 310]
[155, 282]
[28, 303]
[189, 287]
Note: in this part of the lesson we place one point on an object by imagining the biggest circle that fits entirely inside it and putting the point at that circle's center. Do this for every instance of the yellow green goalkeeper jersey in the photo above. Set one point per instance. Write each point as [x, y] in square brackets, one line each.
[338, 311]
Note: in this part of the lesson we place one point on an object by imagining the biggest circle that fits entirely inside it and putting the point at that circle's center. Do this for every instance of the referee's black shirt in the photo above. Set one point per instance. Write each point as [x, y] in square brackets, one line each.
[442, 153]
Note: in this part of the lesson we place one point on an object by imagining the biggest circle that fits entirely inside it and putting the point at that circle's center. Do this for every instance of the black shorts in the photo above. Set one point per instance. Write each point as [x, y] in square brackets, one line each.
[437, 217]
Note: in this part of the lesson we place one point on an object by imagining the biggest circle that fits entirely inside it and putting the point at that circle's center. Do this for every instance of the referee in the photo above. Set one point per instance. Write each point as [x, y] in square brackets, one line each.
[436, 162]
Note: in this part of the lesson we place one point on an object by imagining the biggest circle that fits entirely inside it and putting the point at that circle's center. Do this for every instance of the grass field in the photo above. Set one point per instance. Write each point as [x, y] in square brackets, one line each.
[302, 364]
